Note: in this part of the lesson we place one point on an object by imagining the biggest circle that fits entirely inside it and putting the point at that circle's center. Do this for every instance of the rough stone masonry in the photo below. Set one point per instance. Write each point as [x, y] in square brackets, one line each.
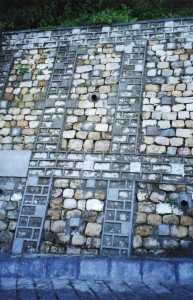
[96, 139]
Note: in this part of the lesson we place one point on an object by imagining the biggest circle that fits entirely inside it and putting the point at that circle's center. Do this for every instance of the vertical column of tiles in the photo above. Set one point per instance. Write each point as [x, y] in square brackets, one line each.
[116, 238]
[5, 65]
[126, 126]
[52, 120]
[32, 215]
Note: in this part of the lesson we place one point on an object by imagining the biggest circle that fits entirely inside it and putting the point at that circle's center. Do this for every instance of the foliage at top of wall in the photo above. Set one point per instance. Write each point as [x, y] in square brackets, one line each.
[31, 14]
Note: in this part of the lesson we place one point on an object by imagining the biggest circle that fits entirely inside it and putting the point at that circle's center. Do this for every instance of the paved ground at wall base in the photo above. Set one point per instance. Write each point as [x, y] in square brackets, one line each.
[58, 289]
[69, 277]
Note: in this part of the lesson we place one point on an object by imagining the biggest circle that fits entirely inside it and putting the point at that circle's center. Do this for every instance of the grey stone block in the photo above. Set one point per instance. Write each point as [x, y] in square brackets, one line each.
[10, 185]
[39, 105]
[3, 104]
[152, 130]
[125, 270]
[57, 123]
[14, 163]
[27, 76]
[7, 147]
[166, 100]
[117, 129]
[185, 271]
[171, 150]
[8, 267]
[32, 267]
[15, 131]
[65, 83]
[96, 269]
[113, 194]
[168, 132]
[5, 67]
[158, 271]
[82, 51]
[17, 246]
[74, 222]
[163, 229]
[65, 267]
[50, 102]
[32, 180]
[71, 104]
[91, 183]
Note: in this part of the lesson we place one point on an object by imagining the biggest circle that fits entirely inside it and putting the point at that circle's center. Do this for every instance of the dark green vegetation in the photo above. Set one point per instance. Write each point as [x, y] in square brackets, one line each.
[29, 14]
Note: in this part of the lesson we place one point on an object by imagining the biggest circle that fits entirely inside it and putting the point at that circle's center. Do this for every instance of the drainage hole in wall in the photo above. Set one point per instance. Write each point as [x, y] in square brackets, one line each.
[184, 203]
[94, 97]
[1, 192]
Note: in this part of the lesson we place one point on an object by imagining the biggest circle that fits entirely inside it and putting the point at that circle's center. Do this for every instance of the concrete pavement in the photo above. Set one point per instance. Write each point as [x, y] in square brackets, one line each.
[62, 289]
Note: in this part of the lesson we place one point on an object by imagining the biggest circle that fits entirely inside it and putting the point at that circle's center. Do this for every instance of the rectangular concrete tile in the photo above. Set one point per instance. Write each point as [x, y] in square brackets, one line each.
[32, 268]
[129, 270]
[158, 271]
[14, 163]
[8, 267]
[93, 268]
[185, 272]
[65, 267]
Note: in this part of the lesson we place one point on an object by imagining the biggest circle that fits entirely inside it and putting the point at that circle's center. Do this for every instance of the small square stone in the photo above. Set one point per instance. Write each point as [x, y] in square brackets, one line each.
[88, 165]
[164, 229]
[135, 167]
[171, 150]
[15, 131]
[3, 104]
[27, 76]
[113, 194]
[152, 130]
[74, 222]
[91, 183]
[178, 169]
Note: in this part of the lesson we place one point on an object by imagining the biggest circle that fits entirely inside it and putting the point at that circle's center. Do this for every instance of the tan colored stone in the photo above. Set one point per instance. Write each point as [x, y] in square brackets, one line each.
[171, 219]
[93, 229]
[75, 144]
[61, 183]
[152, 88]
[189, 142]
[88, 145]
[186, 220]
[78, 240]
[178, 123]
[56, 203]
[94, 136]
[141, 218]
[102, 146]
[156, 149]
[150, 243]
[153, 219]
[179, 231]
[54, 214]
[137, 241]
[167, 87]
[176, 142]
[64, 144]
[22, 123]
[147, 207]
[144, 230]
[161, 140]
[189, 123]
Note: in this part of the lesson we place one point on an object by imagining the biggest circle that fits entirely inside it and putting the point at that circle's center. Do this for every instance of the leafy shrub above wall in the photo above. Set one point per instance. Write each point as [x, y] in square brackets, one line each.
[17, 15]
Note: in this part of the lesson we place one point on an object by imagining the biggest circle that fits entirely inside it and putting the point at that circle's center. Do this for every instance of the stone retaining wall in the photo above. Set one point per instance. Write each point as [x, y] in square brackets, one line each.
[11, 193]
[167, 110]
[75, 217]
[23, 99]
[106, 112]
